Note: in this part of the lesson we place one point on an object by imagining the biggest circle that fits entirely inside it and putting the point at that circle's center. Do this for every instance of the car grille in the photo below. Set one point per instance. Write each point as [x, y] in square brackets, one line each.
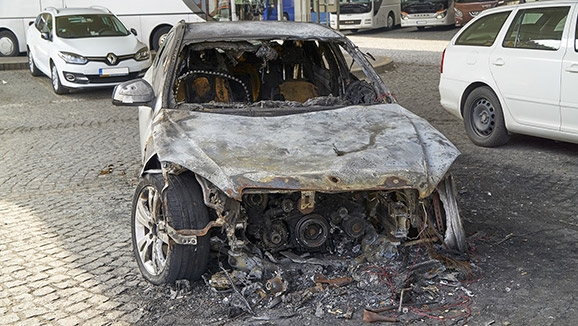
[119, 59]
[96, 79]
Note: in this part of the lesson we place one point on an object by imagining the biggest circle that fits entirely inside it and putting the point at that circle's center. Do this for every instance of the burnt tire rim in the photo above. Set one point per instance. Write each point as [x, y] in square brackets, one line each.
[152, 242]
[483, 117]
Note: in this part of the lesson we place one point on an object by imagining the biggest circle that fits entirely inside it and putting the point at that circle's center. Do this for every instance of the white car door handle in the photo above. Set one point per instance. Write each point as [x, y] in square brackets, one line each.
[499, 62]
[572, 68]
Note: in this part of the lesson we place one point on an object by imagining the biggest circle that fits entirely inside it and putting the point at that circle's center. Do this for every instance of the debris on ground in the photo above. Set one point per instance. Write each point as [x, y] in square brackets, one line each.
[420, 283]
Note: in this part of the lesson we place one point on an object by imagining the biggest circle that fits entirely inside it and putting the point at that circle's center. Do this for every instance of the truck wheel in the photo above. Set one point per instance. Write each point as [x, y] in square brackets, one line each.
[159, 259]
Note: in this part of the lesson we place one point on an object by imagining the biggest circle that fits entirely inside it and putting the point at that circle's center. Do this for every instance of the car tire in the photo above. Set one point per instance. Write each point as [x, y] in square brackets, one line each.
[162, 261]
[390, 23]
[484, 118]
[285, 17]
[56, 84]
[8, 44]
[159, 37]
[32, 65]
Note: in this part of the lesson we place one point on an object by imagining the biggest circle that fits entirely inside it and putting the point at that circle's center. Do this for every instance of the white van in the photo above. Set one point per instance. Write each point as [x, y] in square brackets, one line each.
[151, 19]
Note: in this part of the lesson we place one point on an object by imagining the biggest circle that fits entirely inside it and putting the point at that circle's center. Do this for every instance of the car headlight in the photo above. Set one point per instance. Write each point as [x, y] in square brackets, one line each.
[142, 54]
[458, 13]
[72, 58]
[441, 14]
[404, 15]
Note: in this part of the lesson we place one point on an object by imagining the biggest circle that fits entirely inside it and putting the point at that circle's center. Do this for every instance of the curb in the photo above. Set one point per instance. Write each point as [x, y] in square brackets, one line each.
[13, 63]
[381, 64]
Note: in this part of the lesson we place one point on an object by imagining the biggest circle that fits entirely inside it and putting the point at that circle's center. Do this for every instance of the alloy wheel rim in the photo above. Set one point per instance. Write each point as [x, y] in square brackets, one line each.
[30, 62]
[152, 243]
[54, 78]
[483, 117]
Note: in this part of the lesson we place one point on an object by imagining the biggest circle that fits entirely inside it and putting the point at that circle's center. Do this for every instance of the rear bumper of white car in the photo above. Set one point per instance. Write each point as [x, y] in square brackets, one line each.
[450, 95]
[99, 74]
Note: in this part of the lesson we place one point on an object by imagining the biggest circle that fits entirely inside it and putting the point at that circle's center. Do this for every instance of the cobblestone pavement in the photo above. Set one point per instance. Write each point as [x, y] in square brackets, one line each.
[65, 190]
[69, 167]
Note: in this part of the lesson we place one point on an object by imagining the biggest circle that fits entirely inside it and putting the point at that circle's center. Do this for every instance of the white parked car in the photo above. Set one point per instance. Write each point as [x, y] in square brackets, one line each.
[84, 47]
[514, 69]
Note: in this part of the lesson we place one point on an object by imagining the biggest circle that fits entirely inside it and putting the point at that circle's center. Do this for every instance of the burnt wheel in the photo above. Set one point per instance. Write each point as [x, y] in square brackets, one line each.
[159, 259]
[446, 216]
[484, 119]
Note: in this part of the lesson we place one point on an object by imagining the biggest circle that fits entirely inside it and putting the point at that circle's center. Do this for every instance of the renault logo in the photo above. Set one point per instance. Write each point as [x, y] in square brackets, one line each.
[111, 59]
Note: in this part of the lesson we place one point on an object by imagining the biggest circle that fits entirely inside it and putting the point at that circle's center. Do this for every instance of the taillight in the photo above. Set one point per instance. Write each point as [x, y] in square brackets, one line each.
[443, 56]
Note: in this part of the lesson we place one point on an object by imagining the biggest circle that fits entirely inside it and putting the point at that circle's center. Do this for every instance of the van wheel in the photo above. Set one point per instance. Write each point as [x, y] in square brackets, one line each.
[8, 44]
[484, 119]
[159, 37]
[181, 206]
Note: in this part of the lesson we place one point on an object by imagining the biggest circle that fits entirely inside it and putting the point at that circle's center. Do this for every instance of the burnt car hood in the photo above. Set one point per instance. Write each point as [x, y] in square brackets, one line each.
[345, 149]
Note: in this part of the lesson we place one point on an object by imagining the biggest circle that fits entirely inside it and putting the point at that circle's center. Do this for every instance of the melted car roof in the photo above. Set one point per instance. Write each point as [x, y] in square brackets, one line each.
[259, 30]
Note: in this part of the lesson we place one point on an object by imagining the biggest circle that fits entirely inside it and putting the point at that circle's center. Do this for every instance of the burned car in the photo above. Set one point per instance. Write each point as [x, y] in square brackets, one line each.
[259, 136]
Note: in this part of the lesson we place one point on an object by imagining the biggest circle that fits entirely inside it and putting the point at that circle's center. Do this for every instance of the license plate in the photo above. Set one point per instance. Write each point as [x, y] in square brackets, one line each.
[421, 22]
[108, 72]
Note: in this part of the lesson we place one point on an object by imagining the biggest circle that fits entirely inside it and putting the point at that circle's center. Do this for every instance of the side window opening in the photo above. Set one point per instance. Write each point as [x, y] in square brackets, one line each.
[538, 29]
[483, 32]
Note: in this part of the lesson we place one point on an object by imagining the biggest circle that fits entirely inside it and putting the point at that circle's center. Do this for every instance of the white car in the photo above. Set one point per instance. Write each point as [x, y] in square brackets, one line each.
[84, 47]
[514, 69]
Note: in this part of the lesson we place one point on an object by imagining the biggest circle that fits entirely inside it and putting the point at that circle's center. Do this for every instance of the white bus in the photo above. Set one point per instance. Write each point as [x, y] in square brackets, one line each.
[366, 14]
[151, 19]
[421, 13]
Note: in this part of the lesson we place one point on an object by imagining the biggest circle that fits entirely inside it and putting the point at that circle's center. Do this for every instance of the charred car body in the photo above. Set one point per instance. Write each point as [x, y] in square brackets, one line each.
[260, 134]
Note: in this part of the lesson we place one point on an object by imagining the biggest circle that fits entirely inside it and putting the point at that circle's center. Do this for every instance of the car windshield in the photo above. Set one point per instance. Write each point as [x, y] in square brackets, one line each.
[269, 75]
[80, 26]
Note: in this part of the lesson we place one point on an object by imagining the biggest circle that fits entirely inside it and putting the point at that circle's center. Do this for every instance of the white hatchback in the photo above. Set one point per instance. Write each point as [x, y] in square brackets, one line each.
[514, 69]
[84, 47]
